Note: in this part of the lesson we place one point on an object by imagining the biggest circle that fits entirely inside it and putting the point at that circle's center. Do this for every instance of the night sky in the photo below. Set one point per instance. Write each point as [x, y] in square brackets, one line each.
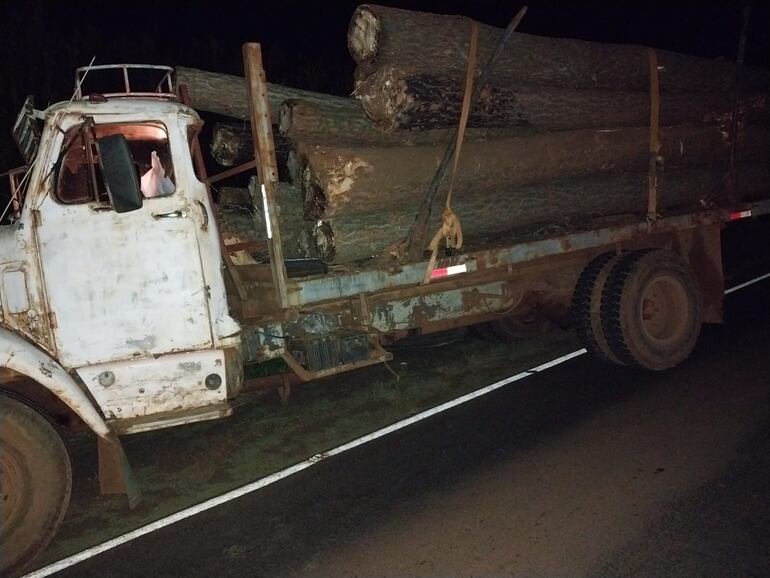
[304, 43]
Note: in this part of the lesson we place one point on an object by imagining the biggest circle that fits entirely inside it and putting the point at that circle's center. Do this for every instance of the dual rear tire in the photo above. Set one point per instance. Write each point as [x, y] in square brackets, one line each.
[640, 309]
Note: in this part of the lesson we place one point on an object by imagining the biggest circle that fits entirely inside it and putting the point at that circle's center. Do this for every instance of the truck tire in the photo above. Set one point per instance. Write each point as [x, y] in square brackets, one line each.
[586, 307]
[35, 484]
[651, 309]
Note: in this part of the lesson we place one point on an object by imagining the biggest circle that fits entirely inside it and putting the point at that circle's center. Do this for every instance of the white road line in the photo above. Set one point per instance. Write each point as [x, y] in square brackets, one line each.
[311, 461]
[747, 283]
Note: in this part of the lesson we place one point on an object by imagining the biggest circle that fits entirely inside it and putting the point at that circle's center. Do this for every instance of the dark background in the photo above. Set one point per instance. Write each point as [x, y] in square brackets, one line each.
[304, 43]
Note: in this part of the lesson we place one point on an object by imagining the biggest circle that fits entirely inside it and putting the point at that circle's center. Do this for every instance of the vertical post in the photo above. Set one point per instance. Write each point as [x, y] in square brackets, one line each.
[732, 176]
[652, 176]
[267, 168]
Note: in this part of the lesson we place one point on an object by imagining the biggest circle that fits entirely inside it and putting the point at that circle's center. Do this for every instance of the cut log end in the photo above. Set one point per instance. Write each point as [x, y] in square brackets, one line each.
[382, 94]
[363, 34]
[230, 144]
[285, 113]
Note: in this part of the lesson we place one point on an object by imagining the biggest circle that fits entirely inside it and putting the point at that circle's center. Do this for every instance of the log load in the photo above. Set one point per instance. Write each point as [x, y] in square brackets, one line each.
[340, 180]
[333, 123]
[521, 213]
[301, 116]
[419, 42]
[225, 94]
[394, 99]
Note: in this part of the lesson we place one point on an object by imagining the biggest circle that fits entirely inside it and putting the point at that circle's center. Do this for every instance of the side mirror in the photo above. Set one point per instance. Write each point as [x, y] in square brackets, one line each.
[120, 177]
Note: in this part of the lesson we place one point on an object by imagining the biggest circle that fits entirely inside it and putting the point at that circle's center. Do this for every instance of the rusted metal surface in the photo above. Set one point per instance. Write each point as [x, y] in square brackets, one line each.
[171, 419]
[341, 285]
[538, 277]
[24, 358]
[170, 383]
[115, 474]
[94, 309]
[378, 355]
[163, 89]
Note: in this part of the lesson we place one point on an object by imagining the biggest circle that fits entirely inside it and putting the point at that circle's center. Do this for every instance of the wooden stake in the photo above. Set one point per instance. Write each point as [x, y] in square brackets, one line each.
[267, 168]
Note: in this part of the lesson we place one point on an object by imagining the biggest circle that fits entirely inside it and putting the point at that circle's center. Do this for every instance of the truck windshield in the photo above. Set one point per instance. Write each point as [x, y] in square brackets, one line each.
[79, 179]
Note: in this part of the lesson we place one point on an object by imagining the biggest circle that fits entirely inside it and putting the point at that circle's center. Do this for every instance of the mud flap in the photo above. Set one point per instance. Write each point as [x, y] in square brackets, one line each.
[115, 473]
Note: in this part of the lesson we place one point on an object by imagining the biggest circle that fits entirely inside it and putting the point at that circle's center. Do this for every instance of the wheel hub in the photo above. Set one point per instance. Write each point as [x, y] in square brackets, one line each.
[664, 309]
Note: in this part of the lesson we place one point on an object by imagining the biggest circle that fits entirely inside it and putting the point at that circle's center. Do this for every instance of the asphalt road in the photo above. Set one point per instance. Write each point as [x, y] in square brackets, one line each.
[585, 470]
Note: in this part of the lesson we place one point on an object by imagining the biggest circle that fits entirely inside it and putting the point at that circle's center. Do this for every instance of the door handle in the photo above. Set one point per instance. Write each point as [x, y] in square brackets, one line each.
[205, 224]
[171, 215]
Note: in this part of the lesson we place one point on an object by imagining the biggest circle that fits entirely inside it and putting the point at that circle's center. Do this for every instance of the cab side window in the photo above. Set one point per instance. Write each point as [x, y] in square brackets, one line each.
[79, 179]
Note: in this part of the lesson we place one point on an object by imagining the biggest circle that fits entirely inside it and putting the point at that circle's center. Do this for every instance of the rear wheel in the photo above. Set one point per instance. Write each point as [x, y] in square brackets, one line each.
[35, 484]
[651, 309]
[586, 307]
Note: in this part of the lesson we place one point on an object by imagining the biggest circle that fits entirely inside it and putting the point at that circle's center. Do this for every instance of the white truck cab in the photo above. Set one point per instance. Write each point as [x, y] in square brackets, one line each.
[111, 296]
[133, 302]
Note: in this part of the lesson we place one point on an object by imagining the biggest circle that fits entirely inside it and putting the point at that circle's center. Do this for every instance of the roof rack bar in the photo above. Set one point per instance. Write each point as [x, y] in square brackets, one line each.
[167, 92]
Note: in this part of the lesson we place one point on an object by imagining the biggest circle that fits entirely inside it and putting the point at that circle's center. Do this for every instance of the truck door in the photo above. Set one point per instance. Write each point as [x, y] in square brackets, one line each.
[120, 285]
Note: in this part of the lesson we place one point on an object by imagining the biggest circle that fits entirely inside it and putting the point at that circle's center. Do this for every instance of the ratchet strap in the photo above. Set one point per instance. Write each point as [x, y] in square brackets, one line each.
[652, 175]
[450, 229]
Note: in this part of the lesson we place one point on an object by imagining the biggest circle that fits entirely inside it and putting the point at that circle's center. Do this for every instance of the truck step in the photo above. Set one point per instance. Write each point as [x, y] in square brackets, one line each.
[317, 356]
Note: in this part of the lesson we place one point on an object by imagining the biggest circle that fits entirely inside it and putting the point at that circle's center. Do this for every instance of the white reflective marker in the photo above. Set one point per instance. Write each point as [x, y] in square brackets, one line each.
[311, 461]
[267, 213]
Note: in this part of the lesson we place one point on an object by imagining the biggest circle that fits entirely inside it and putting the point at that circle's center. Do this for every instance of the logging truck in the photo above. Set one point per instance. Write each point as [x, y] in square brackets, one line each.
[123, 312]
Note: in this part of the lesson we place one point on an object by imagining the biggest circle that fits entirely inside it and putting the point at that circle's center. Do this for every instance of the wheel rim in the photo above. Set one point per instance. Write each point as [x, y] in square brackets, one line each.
[664, 310]
[15, 485]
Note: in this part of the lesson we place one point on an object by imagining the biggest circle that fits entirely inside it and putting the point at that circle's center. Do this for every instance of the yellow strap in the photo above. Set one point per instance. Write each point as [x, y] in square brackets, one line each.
[652, 176]
[450, 229]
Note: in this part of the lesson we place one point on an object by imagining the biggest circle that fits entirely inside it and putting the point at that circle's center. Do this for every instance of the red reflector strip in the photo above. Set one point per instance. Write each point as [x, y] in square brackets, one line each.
[447, 271]
[739, 215]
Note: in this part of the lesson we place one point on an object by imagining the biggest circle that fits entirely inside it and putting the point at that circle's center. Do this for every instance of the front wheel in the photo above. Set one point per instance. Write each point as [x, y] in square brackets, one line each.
[650, 309]
[35, 484]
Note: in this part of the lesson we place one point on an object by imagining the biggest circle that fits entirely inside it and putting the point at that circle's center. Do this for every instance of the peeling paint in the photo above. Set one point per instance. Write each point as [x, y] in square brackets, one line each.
[45, 370]
[190, 366]
[145, 343]
[163, 385]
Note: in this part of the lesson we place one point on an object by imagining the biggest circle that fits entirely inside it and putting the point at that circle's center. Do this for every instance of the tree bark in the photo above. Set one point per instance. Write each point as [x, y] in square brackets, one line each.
[239, 228]
[396, 100]
[419, 42]
[530, 212]
[226, 94]
[338, 181]
[346, 123]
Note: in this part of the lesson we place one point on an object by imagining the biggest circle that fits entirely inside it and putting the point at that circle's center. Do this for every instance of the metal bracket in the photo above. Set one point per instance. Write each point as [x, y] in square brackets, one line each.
[115, 473]
[379, 356]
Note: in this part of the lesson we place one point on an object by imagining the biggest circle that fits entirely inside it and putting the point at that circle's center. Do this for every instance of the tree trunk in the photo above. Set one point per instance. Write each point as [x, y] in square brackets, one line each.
[346, 123]
[418, 42]
[226, 94]
[338, 181]
[527, 213]
[395, 100]
[241, 232]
